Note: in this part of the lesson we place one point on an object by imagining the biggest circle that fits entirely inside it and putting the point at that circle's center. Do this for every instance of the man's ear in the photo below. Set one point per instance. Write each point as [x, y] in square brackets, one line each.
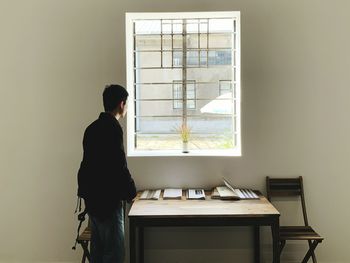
[122, 105]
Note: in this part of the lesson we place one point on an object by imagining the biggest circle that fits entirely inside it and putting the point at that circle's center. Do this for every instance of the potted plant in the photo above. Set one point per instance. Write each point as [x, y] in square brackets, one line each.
[185, 136]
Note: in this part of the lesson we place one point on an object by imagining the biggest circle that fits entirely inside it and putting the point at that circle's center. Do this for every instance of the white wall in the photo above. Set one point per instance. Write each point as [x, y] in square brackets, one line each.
[56, 57]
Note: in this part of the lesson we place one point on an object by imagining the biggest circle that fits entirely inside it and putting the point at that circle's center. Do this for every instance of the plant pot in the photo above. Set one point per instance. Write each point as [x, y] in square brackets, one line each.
[185, 147]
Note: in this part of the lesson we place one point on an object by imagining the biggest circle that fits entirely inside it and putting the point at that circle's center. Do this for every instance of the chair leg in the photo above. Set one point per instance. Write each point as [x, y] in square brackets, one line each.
[86, 254]
[282, 244]
[310, 251]
[314, 260]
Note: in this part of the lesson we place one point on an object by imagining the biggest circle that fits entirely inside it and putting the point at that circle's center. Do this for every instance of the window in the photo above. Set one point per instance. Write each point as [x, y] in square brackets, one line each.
[195, 58]
[177, 95]
[183, 77]
[224, 87]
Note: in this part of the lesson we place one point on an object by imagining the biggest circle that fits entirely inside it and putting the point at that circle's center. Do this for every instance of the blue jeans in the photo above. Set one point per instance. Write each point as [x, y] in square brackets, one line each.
[107, 238]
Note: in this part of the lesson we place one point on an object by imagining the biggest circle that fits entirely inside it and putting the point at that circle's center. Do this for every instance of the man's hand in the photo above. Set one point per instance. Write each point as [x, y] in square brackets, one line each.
[130, 201]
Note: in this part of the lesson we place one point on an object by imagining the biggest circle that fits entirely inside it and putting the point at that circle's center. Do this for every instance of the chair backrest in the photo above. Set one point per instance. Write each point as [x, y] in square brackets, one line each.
[277, 187]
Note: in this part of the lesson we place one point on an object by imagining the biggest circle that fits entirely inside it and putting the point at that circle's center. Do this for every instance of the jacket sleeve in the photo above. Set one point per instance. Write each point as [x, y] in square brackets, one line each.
[82, 173]
[127, 187]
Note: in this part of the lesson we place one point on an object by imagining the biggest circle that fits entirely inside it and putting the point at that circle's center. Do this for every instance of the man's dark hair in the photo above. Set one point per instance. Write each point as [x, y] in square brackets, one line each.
[113, 95]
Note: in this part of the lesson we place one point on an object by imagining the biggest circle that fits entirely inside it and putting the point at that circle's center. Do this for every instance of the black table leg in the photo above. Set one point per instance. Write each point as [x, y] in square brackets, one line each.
[132, 240]
[256, 244]
[275, 227]
[141, 244]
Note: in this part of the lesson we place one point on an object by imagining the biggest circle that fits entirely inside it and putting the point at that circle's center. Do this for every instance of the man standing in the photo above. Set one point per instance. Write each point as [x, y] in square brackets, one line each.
[104, 179]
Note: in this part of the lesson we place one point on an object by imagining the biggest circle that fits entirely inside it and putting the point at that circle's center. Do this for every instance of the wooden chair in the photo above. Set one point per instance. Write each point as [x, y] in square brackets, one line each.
[84, 239]
[294, 187]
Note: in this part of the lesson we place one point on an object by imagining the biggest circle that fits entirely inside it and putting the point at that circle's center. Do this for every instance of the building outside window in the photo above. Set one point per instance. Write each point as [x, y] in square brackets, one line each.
[176, 64]
[224, 87]
[177, 95]
[195, 58]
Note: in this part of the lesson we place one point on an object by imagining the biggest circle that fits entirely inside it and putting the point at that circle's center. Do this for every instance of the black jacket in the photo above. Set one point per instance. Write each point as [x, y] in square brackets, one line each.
[103, 178]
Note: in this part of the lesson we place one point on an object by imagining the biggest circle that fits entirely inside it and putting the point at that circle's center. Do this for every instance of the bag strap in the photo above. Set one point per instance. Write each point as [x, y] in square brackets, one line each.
[81, 218]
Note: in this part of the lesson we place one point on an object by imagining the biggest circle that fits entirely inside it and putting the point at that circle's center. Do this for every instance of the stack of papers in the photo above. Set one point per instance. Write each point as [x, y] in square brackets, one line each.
[150, 195]
[195, 194]
[215, 194]
[227, 192]
[246, 193]
[172, 193]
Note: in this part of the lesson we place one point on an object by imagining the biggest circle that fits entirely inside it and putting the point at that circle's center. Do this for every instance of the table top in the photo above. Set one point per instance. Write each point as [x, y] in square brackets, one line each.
[202, 208]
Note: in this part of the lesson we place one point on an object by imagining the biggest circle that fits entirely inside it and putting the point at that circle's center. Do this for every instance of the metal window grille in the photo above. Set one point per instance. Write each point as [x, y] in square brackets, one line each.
[191, 95]
[166, 53]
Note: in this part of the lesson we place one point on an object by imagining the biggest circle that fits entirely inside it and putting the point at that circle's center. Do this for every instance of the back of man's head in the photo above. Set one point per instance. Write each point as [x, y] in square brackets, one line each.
[113, 95]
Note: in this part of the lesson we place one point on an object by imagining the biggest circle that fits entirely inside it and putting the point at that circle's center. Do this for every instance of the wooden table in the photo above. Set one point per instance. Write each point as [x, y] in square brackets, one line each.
[209, 212]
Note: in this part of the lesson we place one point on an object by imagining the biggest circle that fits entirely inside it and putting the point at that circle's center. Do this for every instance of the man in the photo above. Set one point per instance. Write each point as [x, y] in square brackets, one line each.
[104, 179]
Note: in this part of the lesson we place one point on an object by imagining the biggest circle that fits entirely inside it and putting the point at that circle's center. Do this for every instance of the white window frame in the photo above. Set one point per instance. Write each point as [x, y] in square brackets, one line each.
[129, 18]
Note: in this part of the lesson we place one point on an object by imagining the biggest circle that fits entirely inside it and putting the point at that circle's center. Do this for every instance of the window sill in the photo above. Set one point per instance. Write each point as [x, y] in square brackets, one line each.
[178, 153]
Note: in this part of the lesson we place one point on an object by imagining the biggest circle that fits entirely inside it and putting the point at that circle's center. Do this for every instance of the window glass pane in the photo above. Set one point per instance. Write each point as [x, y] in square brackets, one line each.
[147, 27]
[220, 41]
[192, 26]
[143, 59]
[177, 26]
[225, 87]
[166, 42]
[147, 42]
[157, 75]
[213, 74]
[220, 105]
[203, 57]
[212, 58]
[158, 133]
[177, 96]
[203, 26]
[192, 58]
[177, 59]
[166, 59]
[158, 141]
[203, 41]
[156, 107]
[177, 41]
[210, 132]
[220, 57]
[154, 91]
[166, 28]
[192, 41]
[221, 25]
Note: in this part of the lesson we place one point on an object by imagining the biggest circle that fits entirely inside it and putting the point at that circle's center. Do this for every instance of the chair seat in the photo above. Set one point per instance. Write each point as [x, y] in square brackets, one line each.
[299, 233]
[86, 235]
